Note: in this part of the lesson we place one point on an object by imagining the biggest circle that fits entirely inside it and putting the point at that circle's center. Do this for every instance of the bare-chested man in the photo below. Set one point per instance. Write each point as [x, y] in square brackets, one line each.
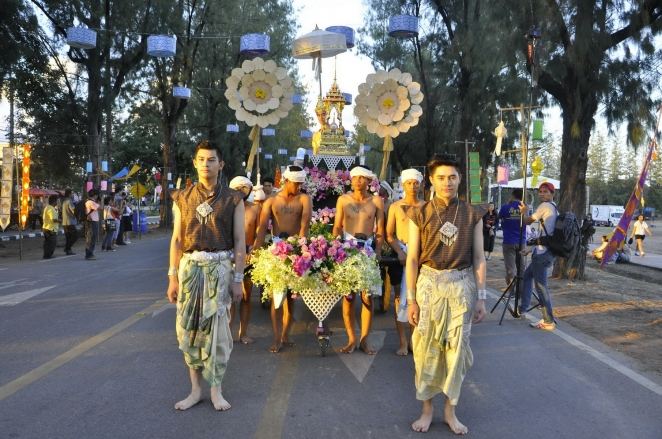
[397, 227]
[360, 213]
[251, 218]
[290, 212]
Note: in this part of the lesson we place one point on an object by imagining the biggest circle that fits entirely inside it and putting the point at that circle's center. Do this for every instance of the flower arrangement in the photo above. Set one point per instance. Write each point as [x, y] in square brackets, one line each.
[317, 264]
[322, 221]
[321, 184]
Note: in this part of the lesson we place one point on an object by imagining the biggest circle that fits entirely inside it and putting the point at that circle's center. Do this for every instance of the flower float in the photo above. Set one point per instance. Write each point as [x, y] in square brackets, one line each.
[260, 92]
[388, 104]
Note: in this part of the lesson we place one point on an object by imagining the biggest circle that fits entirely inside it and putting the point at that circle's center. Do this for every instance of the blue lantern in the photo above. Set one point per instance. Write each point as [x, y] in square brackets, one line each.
[348, 32]
[297, 99]
[306, 134]
[268, 132]
[232, 128]
[161, 46]
[81, 37]
[181, 92]
[403, 26]
[348, 98]
[254, 44]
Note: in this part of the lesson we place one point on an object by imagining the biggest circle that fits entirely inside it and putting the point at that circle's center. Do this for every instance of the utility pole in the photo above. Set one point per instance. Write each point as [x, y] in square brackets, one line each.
[466, 164]
[14, 147]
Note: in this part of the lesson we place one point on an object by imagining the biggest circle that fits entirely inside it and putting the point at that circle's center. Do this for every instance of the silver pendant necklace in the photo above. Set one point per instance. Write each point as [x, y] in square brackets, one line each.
[204, 209]
[448, 231]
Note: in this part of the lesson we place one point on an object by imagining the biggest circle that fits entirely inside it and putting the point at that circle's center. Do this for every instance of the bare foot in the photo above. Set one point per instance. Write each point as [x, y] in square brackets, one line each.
[422, 424]
[246, 340]
[367, 349]
[287, 343]
[348, 348]
[189, 401]
[402, 351]
[219, 402]
[275, 347]
[453, 423]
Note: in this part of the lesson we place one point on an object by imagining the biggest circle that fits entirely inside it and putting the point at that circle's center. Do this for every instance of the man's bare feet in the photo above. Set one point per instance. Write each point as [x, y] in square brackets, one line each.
[189, 401]
[422, 424]
[217, 399]
[453, 423]
[246, 340]
[276, 347]
[402, 351]
[366, 348]
[348, 348]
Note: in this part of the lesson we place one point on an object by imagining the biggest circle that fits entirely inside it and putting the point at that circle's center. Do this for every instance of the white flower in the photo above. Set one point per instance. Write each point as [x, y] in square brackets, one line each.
[389, 103]
[259, 92]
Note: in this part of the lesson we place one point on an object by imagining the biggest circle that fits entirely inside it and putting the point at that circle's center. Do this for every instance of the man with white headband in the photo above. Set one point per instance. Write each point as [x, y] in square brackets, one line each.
[208, 232]
[251, 218]
[290, 212]
[358, 215]
[397, 228]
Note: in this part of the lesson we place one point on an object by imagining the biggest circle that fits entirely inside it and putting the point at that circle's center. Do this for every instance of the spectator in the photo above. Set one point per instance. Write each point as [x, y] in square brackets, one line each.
[50, 226]
[639, 232]
[489, 230]
[91, 223]
[69, 222]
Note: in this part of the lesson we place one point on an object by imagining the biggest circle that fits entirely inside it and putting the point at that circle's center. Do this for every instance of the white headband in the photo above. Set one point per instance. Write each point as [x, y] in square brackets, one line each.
[411, 174]
[294, 176]
[240, 181]
[361, 172]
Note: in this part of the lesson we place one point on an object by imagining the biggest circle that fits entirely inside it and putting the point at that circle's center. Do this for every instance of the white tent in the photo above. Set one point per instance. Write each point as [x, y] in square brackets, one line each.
[518, 183]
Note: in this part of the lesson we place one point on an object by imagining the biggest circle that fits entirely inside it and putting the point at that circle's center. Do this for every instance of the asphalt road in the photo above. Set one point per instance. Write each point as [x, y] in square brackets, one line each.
[88, 350]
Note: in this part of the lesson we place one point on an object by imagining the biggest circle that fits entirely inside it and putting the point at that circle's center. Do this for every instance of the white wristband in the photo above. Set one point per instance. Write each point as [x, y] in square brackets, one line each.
[482, 294]
[172, 271]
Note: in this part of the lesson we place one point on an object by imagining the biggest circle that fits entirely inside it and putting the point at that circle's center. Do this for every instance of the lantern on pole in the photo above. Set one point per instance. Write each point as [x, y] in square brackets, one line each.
[161, 46]
[25, 186]
[81, 38]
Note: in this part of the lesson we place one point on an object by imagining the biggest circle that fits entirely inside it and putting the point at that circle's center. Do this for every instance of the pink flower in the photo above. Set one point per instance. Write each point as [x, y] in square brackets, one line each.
[303, 240]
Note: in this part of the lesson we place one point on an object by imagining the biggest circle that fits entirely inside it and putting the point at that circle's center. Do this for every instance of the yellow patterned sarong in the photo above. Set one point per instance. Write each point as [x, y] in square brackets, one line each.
[442, 355]
[203, 312]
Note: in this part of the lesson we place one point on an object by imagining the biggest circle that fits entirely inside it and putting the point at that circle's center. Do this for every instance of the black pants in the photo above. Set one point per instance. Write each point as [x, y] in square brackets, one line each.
[70, 237]
[91, 237]
[120, 233]
[50, 240]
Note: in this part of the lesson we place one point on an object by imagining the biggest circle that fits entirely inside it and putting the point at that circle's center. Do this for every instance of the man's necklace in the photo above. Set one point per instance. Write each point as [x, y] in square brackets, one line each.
[204, 209]
[447, 232]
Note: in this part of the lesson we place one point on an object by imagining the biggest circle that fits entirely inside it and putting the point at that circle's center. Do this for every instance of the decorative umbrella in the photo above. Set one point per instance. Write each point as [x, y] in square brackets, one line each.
[261, 93]
[316, 45]
[388, 104]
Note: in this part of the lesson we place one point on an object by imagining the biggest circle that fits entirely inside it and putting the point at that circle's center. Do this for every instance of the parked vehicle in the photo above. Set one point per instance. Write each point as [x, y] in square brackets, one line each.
[604, 215]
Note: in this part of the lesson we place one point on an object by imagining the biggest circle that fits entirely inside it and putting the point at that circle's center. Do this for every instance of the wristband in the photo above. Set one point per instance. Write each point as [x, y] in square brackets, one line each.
[172, 271]
[411, 296]
[238, 277]
[482, 294]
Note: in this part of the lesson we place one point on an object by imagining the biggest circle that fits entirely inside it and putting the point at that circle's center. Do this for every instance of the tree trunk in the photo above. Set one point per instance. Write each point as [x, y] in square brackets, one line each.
[94, 108]
[169, 166]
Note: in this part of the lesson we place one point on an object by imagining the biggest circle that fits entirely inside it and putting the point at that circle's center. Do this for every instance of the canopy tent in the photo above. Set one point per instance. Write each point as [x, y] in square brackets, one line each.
[518, 183]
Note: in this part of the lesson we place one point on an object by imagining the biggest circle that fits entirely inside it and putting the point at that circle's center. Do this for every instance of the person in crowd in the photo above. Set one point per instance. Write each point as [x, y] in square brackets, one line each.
[639, 231]
[207, 235]
[110, 214]
[91, 223]
[397, 229]
[268, 187]
[69, 222]
[509, 215]
[50, 226]
[446, 293]
[360, 216]
[489, 230]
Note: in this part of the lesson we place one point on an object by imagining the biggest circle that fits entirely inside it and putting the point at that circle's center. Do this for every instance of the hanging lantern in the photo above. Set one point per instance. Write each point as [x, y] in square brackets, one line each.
[348, 32]
[232, 128]
[297, 99]
[161, 46]
[503, 172]
[537, 129]
[254, 44]
[306, 134]
[348, 98]
[81, 38]
[181, 92]
[25, 186]
[403, 26]
[268, 132]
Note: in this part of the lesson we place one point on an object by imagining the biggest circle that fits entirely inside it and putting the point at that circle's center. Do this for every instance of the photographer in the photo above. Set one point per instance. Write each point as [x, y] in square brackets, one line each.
[542, 257]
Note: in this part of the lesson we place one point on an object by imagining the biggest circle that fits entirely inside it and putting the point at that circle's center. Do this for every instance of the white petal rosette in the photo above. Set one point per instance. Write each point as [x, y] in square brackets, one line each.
[260, 92]
[389, 103]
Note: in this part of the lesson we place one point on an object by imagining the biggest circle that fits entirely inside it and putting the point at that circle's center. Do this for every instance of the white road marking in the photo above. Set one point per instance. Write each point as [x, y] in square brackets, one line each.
[603, 358]
[15, 299]
[16, 283]
[357, 362]
[163, 308]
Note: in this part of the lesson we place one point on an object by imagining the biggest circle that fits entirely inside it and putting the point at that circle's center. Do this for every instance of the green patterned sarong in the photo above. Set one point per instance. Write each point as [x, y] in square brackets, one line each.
[203, 312]
[442, 355]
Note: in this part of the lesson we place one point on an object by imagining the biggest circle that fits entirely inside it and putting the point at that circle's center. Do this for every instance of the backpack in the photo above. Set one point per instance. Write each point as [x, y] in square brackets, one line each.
[79, 212]
[565, 237]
